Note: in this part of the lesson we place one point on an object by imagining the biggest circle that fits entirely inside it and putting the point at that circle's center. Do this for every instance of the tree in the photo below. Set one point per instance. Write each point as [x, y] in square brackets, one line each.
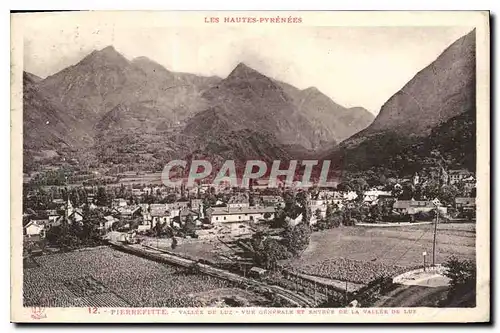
[335, 220]
[101, 197]
[296, 238]
[317, 214]
[329, 212]
[375, 213]
[462, 275]
[189, 226]
[447, 194]
[174, 243]
[269, 252]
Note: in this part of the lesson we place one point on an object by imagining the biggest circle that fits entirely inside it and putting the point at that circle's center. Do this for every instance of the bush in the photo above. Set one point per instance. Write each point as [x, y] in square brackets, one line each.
[462, 291]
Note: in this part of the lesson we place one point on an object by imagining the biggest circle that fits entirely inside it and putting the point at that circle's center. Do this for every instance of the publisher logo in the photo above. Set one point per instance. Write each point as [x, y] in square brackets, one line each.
[38, 313]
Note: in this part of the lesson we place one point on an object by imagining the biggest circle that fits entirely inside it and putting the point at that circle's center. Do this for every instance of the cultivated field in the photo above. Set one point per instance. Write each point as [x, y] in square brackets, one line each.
[106, 277]
[360, 254]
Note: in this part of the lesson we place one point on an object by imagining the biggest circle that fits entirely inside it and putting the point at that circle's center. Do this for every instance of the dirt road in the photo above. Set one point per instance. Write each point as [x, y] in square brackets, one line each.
[413, 296]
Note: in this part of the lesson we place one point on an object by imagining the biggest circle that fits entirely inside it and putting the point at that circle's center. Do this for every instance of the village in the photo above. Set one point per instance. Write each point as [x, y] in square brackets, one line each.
[206, 211]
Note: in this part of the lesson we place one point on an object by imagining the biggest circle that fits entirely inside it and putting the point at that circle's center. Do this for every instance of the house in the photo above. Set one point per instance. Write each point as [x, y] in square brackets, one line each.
[158, 213]
[350, 195]
[262, 184]
[320, 205]
[52, 215]
[469, 184]
[257, 272]
[137, 192]
[372, 196]
[58, 201]
[178, 205]
[90, 198]
[217, 215]
[108, 222]
[456, 176]
[412, 207]
[196, 204]
[76, 216]
[183, 214]
[129, 211]
[271, 200]
[465, 204]
[36, 228]
[120, 202]
[55, 223]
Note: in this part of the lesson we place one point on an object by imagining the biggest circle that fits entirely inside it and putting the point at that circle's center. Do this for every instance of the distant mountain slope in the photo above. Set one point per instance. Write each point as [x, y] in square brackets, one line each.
[337, 122]
[47, 129]
[45, 124]
[440, 91]
[428, 104]
[139, 113]
[105, 79]
[31, 78]
[248, 99]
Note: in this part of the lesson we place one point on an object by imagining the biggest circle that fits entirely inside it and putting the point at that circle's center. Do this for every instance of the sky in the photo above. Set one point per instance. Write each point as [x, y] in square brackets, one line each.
[355, 66]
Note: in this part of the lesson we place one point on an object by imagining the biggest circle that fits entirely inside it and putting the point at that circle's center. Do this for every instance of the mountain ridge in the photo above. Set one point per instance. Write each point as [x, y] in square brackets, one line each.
[160, 112]
[434, 97]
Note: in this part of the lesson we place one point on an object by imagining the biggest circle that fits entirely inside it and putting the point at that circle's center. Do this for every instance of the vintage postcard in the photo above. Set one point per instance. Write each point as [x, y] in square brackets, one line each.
[314, 167]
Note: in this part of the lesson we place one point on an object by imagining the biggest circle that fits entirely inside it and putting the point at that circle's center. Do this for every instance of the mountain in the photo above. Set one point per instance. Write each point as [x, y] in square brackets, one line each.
[138, 113]
[249, 99]
[31, 78]
[47, 129]
[337, 122]
[410, 122]
[105, 79]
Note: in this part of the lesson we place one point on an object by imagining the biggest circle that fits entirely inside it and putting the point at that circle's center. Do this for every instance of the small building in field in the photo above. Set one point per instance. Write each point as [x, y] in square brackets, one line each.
[257, 272]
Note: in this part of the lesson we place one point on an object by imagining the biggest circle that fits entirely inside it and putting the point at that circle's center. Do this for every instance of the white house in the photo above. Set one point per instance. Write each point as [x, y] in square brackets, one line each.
[320, 205]
[36, 228]
[108, 222]
[218, 215]
[372, 196]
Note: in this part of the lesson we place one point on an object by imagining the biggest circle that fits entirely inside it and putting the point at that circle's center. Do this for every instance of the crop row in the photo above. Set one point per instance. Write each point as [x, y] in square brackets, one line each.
[356, 271]
[134, 281]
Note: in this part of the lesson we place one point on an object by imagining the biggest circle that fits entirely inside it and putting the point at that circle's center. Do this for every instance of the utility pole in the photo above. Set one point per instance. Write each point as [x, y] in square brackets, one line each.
[424, 254]
[436, 203]
[345, 292]
[434, 243]
[315, 302]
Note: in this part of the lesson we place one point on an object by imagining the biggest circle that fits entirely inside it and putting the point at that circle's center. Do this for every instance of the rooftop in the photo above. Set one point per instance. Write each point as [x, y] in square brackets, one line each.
[241, 210]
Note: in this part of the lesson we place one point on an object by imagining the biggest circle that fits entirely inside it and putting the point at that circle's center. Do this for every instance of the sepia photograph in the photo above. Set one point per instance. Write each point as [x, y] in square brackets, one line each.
[250, 167]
